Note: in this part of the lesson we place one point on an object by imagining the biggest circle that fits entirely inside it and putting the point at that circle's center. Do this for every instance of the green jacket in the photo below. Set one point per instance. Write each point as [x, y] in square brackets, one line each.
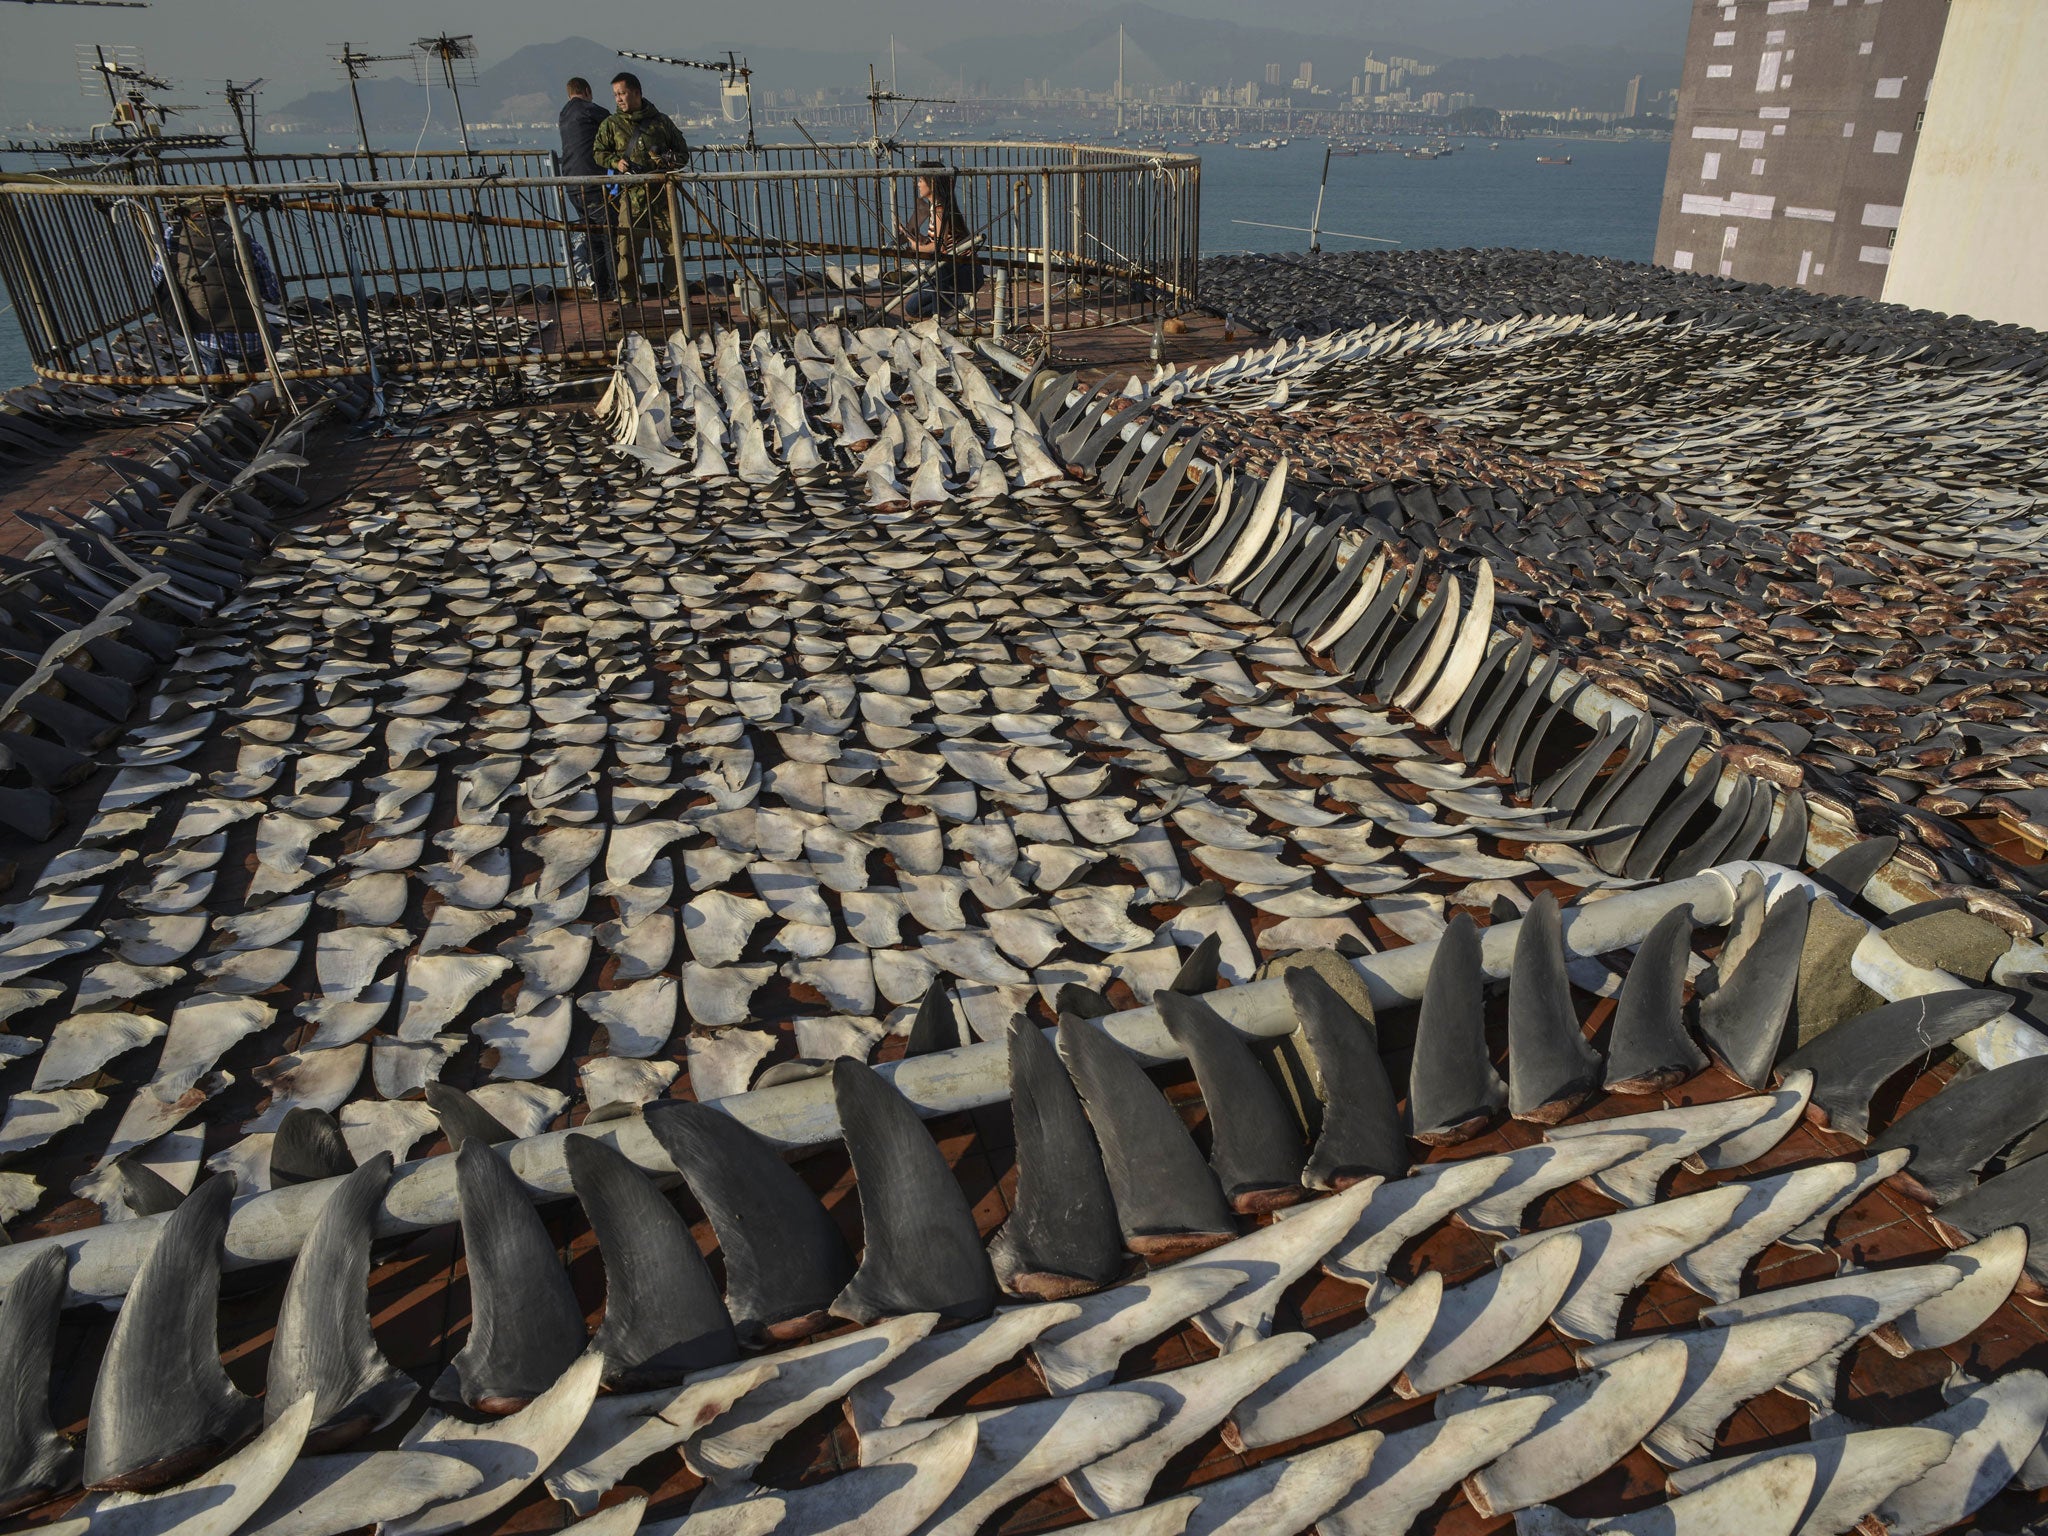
[647, 141]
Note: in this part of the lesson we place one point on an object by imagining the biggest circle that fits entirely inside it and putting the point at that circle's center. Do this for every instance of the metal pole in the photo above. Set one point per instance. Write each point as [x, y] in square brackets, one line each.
[356, 286]
[154, 217]
[1045, 253]
[675, 251]
[1002, 295]
[355, 95]
[1315, 225]
[248, 265]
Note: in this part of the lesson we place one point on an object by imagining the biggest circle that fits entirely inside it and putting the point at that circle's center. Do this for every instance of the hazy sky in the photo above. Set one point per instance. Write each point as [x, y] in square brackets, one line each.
[196, 42]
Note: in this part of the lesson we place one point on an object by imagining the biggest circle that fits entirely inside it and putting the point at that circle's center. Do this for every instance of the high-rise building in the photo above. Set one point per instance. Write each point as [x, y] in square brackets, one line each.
[1796, 128]
[1307, 77]
[1634, 97]
[1273, 74]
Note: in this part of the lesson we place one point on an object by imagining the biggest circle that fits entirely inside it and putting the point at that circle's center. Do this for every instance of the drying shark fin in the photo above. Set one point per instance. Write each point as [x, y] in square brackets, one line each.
[1416, 1466]
[525, 1326]
[1200, 972]
[462, 1118]
[1534, 1172]
[1771, 1208]
[1081, 1354]
[1453, 1090]
[922, 1252]
[163, 1405]
[1990, 1268]
[1960, 1129]
[1483, 1321]
[1340, 1374]
[1674, 1135]
[1994, 1428]
[324, 1347]
[662, 1312]
[1402, 1209]
[936, 1028]
[1619, 1252]
[920, 1379]
[1743, 1020]
[1592, 1422]
[36, 1462]
[1062, 1236]
[784, 1257]
[1649, 1047]
[622, 1430]
[1763, 1499]
[329, 1495]
[1256, 1147]
[308, 1146]
[1360, 1134]
[1854, 1472]
[1168, 1203]
[1551, 1069]
[1853, 1060]
[215, 1503]
[891, 1497]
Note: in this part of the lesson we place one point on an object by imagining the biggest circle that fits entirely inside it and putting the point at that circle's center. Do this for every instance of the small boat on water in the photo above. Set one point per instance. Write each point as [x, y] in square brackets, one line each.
[1553, 159]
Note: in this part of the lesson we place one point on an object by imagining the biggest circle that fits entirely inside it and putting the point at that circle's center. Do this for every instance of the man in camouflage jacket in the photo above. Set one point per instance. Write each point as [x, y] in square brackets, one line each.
[638, 137]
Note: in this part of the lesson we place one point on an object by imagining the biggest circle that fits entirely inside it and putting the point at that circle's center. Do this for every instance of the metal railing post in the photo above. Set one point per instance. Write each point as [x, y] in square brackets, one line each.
[675, 251]
[1001, 282]
[1045, 253]
[255, 291]
[356, 287]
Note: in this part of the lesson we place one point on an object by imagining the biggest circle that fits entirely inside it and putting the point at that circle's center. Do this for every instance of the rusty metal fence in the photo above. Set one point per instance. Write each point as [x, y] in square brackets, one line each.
[216, 271]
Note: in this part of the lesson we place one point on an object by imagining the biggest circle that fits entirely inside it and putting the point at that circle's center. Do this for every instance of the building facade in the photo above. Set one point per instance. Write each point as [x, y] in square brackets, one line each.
[1797, 126]
[1973, 238]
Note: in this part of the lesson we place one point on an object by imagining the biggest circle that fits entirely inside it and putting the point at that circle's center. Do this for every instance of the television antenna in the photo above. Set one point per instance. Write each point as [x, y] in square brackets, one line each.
[733, 69]
[356, 66]
[122, 5]
[457, 57]
[235, 96]
[881, 147]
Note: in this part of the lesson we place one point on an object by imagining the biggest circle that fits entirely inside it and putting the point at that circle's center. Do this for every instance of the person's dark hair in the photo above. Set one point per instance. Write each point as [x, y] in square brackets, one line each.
[578, 86]
[628, 79]
[937, 175]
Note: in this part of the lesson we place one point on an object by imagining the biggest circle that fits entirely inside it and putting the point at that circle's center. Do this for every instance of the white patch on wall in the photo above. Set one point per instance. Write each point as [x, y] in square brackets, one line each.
[1784, 82]
[1816, 215]
[1889, 87]
[1876, 255]
[1778, 130]
[1774, 37]
[1820, 269]
[1752, 138]
[1774, 113]
[1887, 143]
[1848, 130]
[1724, 39]
[1756, 167]
[1784, 7]
[1881, 216]
[1681, 261]
[1710, 166]
[1767, 70]
[1720, 71]
[1861, 48]
[1727, 13]
[1715, 133]
[1805, 265]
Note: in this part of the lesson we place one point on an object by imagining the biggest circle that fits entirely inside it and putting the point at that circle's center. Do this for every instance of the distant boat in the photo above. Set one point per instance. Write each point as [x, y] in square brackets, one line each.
[1553, 159]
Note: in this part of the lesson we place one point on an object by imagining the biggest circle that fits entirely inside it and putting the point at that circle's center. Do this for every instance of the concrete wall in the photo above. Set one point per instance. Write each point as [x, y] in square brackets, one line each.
[1973, 239]
[1797, 125]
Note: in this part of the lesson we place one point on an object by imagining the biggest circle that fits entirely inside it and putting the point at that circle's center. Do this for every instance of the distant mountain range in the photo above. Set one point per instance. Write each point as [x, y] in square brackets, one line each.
[1160, 47]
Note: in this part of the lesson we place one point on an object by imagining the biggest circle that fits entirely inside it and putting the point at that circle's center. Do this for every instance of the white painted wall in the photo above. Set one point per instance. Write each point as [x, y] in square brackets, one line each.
[1973, 234]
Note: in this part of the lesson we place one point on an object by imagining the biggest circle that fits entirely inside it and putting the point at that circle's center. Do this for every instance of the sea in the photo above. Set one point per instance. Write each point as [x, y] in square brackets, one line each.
[1603, 204]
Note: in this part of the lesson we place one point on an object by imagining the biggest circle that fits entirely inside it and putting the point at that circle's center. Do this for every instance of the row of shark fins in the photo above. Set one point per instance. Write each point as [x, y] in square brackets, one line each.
[1105, 1168]
[100, 605]
[941, 451]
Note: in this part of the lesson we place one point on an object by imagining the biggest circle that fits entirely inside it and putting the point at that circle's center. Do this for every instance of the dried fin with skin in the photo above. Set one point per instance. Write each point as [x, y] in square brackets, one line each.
[1453, 1090]
[526, 1327]
[1649, 1047]
[662, 1313]
[1743, 1020]
[1062, 1236]
[163, 1405]
[1256, 1147]
[784, 1257]
[1852, 1061]
[36, 1462]
[1360, 1134]
[922, 1252]
[1168, 1203]
[1551, 1069]
[309, 1146]
[324, 1345]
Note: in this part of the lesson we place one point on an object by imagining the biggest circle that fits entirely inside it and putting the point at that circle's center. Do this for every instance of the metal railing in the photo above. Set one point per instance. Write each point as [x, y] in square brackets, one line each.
[307, 266]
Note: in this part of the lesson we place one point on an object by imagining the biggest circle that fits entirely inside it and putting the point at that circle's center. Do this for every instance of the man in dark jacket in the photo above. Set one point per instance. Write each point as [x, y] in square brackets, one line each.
[591, 253]
[639, 138]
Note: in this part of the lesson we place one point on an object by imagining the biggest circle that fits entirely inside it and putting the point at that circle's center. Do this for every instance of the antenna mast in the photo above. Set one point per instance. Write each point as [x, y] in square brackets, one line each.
[356, 66]
[452, 52]
[235, 95]
[734, 70]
